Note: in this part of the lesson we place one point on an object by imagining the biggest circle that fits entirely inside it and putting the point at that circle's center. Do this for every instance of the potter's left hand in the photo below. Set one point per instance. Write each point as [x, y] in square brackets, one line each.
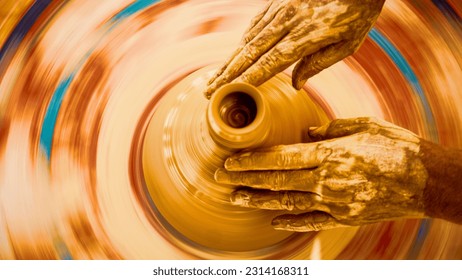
[318, 33]
[360, 171]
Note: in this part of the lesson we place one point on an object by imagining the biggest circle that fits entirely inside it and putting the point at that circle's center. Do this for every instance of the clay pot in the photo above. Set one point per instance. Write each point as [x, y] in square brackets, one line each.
[237, 116]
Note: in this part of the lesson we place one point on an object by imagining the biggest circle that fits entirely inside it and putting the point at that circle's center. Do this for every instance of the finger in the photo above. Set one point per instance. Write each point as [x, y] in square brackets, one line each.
[271, 34]
[338, 128]
[257, 24]
[291, 48]
[300, 180]
[312, 64]
[336, 191]
[283, 157]
[345, 127]
[259, 20]
[312, 221]
[271, 200]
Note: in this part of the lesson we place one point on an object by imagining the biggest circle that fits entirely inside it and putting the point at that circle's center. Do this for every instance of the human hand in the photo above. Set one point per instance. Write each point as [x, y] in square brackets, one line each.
[360, 171]
[320, 33]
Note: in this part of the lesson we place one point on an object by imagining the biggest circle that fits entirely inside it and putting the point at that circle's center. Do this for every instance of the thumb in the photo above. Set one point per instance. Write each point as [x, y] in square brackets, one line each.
[314, 63]
[302, 72]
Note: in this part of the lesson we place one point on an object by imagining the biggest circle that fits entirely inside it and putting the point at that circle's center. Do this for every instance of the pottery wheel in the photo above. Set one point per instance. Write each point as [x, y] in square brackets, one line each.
[104, 151]
[180, 158]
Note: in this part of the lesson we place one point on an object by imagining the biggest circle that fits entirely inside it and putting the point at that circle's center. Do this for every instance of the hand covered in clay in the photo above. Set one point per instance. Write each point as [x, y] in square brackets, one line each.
[320, 33]
[358, 171]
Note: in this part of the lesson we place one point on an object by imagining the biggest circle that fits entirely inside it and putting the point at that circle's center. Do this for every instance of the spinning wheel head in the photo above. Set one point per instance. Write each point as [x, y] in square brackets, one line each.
[189, 137]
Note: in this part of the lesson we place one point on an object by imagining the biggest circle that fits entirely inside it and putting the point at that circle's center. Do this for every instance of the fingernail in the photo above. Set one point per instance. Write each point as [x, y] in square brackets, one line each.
[236, 163]
[312, 128]
[221, 176]
[241, 199]
[299, 84]
[316, 133]
[310, 134]
[232, 163]
[279, 224]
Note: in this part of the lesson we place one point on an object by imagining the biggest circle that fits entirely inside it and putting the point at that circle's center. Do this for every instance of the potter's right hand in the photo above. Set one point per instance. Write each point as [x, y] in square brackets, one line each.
[320, 33]
[361, 171]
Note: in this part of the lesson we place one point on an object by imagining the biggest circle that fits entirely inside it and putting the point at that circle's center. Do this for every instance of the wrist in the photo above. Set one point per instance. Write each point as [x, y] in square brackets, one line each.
[442, 197]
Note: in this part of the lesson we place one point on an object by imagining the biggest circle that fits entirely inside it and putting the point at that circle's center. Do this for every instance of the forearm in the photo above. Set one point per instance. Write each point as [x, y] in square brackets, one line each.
[443, 191]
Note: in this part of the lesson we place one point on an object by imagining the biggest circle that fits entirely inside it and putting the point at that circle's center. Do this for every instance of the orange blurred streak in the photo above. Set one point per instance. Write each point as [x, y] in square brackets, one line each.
[11, 12]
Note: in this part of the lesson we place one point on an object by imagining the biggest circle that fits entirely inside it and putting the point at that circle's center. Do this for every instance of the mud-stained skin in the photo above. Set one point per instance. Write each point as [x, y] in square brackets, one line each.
[318, 33]
[358, 171]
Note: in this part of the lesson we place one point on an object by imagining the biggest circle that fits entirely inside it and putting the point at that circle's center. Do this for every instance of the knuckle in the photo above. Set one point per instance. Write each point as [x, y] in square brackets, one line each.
[279, 179]
[247, 38]
[250, 53]
[323, 153]
[270, 60]
[283, 159]
[313, 226]
[246, 77]
[287, 200]
[288, 13]
[244, 178]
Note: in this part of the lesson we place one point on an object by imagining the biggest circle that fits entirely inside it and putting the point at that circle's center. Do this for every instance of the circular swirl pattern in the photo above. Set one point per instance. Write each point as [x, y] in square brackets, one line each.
[82, 83]
[179, 158]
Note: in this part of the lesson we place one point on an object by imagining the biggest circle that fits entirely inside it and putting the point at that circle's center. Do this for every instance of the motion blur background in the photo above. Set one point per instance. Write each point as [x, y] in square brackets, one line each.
[82, 81]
